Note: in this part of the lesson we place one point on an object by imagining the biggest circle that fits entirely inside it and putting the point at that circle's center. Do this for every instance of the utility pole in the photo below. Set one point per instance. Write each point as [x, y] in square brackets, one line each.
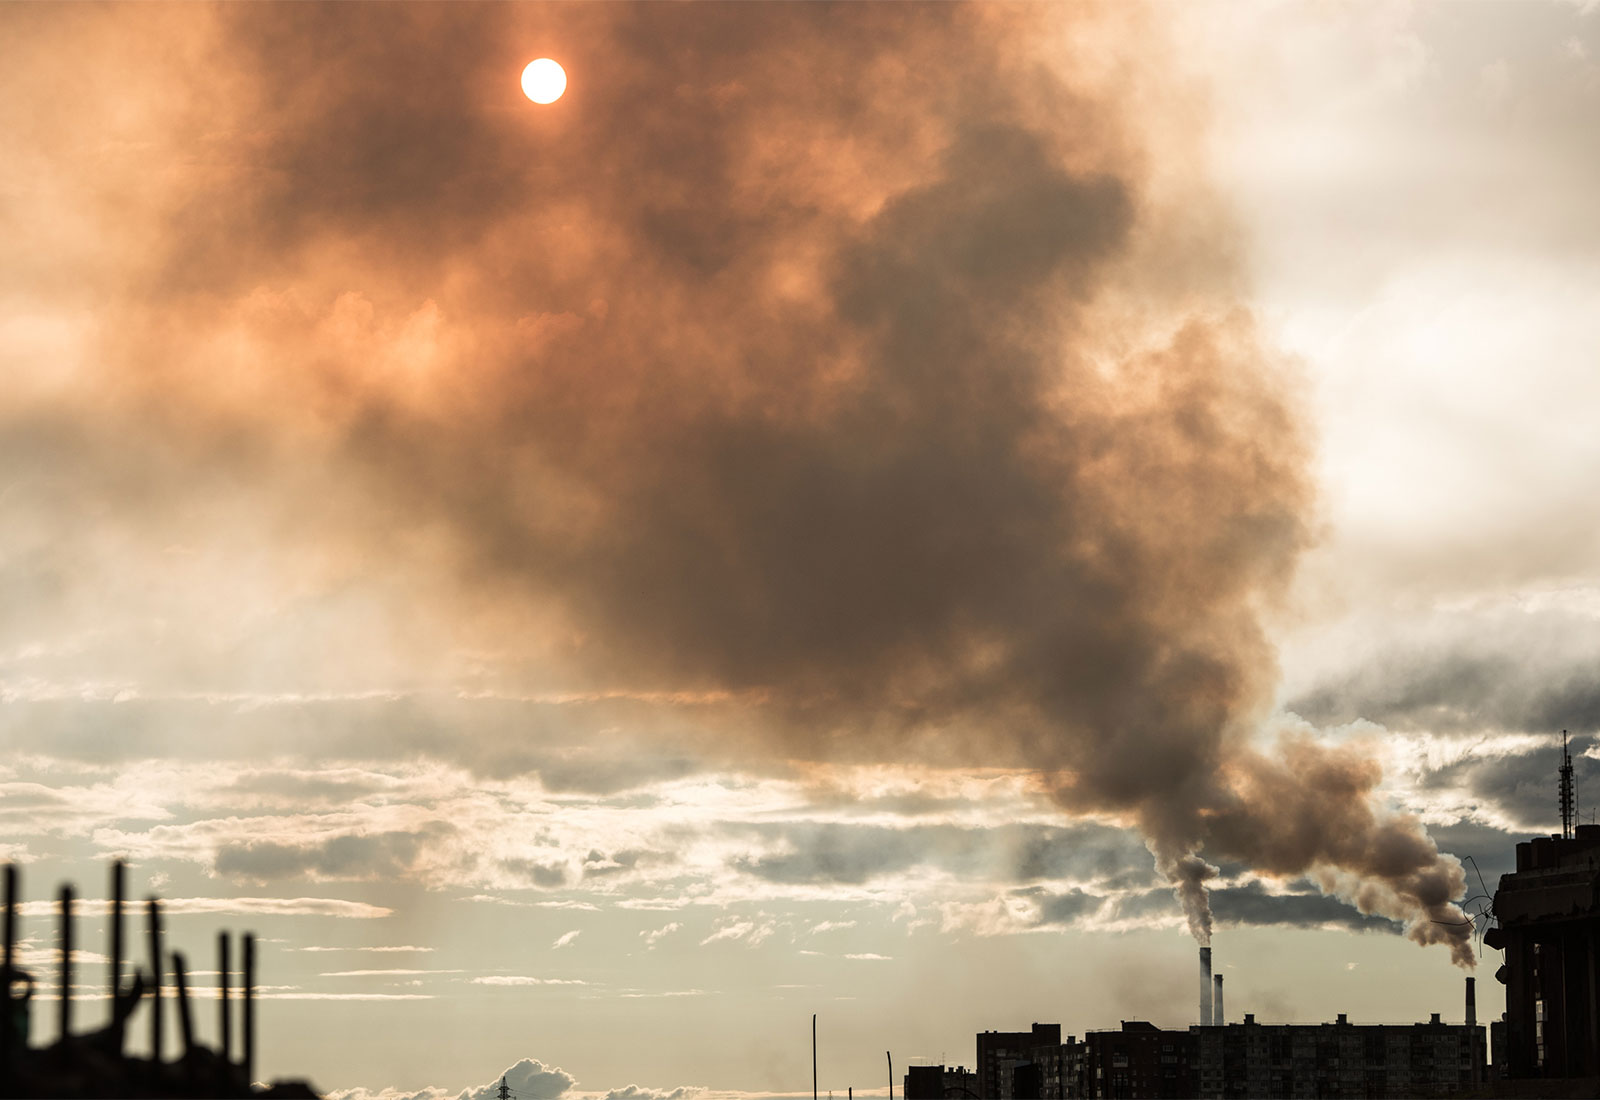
[889, 1056]
[813, 1056]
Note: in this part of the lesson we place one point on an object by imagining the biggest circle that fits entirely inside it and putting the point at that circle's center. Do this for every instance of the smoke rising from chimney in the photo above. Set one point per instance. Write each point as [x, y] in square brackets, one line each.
[917, 413]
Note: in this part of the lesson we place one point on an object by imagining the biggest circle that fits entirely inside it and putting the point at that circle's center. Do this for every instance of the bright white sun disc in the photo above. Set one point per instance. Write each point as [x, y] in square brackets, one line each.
[543, 81]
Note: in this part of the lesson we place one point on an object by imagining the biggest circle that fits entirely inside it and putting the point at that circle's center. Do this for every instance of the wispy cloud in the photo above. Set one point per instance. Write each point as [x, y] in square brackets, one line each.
[523, 979]
[347, 996]
[565, 938]
[750, 932]
[278, 907]
[358, 947]
[383, 973]
[653, 937]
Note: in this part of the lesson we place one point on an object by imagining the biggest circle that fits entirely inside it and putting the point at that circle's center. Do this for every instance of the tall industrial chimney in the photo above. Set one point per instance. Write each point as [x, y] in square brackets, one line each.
[1216, 1007]
[1472, 1002]
[1205, 986]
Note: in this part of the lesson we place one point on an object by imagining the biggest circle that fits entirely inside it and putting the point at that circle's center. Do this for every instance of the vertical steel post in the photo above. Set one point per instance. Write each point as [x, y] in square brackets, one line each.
[118, 884]
[180, 975]
[249, 1013]
[225, 1041]
[7, 1039]
[889, 1056]
[65, 937]
[157, 976]
[813, 1056]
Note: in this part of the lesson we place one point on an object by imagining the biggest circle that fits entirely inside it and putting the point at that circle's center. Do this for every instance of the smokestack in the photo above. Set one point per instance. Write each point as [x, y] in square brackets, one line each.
[1205, 986]
[1472, 1002]
[1218, 1018]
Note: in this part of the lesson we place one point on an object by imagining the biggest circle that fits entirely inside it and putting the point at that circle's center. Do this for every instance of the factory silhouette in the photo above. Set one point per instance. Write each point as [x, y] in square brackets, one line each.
[1544, 917]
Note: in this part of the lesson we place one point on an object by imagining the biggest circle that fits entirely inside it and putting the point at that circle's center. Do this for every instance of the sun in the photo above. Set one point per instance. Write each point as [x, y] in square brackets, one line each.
[543, 81]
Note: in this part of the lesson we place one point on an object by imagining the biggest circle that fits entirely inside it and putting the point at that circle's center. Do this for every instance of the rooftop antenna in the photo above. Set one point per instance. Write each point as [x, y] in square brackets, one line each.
[1566, 789]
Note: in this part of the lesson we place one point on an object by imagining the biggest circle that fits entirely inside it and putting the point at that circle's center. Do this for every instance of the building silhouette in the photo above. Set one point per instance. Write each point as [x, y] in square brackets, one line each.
[940, 1082]
[1341, 1059]
[1140, 1061]
[1001, 1052]
[1547, 915]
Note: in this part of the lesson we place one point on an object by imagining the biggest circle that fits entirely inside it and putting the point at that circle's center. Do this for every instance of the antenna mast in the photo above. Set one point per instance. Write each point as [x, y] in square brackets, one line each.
[1567, 799]
[504, 1091]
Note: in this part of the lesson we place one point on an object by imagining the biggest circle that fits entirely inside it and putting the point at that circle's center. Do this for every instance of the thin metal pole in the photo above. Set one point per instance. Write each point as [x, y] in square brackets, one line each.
[118, 876]
[65, 1004]
[7, 1039]
[225, 1044]
[813, 1056]
[249, 1007]
[889, 1056]
[157, 976]
[180, 974]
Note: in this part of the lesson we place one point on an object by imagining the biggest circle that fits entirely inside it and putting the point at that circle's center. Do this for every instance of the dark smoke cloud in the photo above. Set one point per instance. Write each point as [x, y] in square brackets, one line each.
[1252, 904]
[854, 365]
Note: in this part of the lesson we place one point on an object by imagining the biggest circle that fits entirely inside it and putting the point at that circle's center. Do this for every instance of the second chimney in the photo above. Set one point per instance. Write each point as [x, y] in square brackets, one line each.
[1472, 1002]
[1205, 986]
[1216, 1005]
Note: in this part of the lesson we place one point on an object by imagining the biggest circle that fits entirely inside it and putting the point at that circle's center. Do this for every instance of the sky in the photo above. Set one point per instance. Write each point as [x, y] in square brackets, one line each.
[912, 514]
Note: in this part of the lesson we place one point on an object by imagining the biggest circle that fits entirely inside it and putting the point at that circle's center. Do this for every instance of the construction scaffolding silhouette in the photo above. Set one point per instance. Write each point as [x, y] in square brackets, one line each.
[95, 1063]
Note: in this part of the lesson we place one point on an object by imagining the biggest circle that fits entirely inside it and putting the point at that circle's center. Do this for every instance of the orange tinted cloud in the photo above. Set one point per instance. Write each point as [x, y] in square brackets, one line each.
[854, 361]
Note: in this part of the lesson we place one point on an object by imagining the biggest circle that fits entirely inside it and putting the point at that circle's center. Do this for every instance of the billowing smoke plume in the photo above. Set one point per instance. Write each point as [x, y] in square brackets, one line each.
[876, 367]
[1189, 874]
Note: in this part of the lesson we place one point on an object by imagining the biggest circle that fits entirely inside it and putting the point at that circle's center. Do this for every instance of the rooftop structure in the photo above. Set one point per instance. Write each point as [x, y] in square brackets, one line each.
[1547, 915]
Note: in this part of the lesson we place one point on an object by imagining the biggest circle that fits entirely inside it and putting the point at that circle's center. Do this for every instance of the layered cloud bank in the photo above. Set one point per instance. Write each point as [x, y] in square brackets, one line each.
[858, 384]
[528, 1078]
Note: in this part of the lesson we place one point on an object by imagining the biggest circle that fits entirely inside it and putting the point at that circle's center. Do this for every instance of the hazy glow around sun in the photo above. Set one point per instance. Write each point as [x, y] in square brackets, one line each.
[543, 81]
